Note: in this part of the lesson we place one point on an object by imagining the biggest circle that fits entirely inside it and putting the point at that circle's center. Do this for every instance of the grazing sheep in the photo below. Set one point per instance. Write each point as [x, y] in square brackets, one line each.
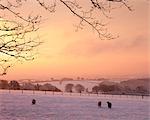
[33, 101]
[109, 104]
[99, 104]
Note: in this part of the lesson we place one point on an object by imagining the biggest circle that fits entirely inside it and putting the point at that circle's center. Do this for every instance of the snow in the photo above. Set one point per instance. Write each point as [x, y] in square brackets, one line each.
[17, 106]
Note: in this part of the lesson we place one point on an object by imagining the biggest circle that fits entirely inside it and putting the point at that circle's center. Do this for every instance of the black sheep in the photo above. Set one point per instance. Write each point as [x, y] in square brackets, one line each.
[99, 104]
[109, 105]
[33, 101]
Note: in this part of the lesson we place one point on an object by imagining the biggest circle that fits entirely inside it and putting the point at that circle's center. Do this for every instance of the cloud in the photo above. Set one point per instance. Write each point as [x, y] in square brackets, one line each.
[91, 47]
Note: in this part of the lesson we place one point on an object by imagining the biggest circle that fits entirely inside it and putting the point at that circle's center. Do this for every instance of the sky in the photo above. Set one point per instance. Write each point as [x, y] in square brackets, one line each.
[67, 53]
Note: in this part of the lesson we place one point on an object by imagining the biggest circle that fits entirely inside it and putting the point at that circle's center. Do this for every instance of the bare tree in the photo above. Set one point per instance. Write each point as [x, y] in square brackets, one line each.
[14, 85]
[69, 87]
[16, 28]
[4, 84]
[87, 10]
[79, 88]
[16, 43]
[95, 89]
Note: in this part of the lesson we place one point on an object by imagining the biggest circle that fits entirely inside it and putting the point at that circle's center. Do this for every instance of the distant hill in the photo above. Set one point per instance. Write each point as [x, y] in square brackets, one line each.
[108, 83]
[131, 86]
[134, 83]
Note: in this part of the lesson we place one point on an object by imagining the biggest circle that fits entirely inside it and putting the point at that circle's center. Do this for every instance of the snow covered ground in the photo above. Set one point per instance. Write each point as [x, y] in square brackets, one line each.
[17, 106]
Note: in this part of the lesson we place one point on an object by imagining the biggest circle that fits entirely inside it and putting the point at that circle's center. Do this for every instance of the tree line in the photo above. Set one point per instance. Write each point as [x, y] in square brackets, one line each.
[72, 88]
[106, 89]
[15, 85]
[116, 89]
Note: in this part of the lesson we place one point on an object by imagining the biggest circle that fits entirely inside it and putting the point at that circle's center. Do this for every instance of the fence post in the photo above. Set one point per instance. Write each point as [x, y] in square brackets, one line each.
[33, 92]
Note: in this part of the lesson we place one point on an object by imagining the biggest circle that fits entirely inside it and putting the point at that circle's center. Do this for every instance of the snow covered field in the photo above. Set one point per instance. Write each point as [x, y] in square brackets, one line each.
[17, 106]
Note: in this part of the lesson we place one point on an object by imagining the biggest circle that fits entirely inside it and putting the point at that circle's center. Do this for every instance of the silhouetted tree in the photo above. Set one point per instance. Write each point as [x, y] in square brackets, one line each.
[49, 87]
[87, 90]
[95, 89]
[79, 88]
[17, 43]
[37, 87]
[68, 87]
[14, 85]
[104, 88]
[4, 84]
[109, 88]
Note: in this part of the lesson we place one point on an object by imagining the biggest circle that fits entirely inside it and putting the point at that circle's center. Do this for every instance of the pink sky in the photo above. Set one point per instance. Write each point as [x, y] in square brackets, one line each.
[66, 53]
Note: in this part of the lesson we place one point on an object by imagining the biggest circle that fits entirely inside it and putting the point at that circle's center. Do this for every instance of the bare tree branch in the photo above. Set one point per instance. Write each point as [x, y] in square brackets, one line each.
[16, 43]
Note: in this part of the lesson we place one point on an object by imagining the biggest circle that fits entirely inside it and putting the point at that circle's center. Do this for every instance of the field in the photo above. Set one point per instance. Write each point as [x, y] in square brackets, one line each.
[17, 106]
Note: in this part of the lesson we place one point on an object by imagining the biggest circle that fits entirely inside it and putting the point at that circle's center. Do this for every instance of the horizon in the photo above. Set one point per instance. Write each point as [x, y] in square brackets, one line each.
[81, 79]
